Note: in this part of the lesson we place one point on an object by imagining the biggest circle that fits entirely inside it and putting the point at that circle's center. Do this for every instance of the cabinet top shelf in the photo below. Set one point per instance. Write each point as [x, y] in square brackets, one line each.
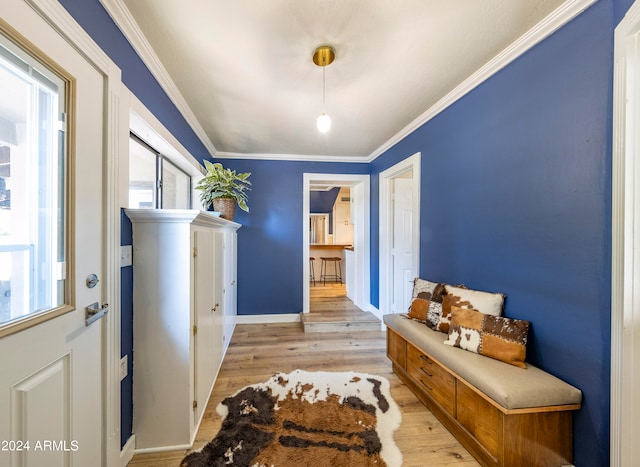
[192, 216]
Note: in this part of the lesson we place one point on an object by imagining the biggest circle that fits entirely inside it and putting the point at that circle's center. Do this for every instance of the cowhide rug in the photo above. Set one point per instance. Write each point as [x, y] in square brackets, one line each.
[306, 419]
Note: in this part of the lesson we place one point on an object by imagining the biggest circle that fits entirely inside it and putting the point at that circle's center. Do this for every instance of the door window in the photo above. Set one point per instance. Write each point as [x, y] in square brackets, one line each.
[33, 262]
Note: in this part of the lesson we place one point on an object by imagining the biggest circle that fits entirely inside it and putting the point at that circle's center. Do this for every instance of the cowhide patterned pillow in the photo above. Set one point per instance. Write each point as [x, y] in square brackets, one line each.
[497, 337]
[426, 302]
[484, 302]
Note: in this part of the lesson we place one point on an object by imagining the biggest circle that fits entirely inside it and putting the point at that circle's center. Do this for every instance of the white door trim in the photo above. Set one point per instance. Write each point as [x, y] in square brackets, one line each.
[411, 163]
[625, 244]
[116, 143]
[361, 236]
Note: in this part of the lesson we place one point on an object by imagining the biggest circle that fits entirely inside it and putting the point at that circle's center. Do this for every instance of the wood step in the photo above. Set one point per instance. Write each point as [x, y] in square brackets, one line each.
[340, 321]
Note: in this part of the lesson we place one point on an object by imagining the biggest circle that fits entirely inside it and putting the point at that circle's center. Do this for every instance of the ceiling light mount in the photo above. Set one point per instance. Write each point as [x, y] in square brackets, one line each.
[323, 56]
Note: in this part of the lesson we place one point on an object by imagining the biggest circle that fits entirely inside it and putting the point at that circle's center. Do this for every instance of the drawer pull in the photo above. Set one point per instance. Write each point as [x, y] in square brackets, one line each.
[425, 372]
[426, 385]
[426, 359]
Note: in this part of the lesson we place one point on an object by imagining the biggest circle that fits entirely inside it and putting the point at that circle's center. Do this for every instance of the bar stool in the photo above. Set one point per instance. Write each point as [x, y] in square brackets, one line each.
[337, 269]
[312, 272]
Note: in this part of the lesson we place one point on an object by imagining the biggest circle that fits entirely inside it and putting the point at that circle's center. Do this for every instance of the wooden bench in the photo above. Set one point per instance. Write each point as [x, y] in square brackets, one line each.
[502, 414]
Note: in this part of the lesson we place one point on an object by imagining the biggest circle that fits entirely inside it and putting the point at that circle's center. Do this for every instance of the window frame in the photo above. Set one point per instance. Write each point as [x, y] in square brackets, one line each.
[159, 164]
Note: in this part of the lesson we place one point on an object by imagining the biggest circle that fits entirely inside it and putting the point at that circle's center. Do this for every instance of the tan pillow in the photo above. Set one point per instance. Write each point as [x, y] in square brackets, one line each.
[426, 302]
[484, 302]
[497, 337]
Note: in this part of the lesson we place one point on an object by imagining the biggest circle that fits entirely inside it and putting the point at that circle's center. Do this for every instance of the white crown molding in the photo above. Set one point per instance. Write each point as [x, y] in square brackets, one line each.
[554, 21]
[290, 157]
[122, 17]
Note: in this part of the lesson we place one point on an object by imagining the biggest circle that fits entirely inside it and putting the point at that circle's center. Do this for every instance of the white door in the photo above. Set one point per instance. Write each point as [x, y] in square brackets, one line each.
[51, 376]
[401, 251]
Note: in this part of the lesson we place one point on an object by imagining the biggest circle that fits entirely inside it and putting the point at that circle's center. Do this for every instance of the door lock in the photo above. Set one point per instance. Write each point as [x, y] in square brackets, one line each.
[91, 281]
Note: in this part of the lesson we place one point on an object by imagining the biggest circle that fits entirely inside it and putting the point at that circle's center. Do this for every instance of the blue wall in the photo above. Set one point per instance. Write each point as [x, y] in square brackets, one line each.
[126, 334]
[516, 196]
[270, 241]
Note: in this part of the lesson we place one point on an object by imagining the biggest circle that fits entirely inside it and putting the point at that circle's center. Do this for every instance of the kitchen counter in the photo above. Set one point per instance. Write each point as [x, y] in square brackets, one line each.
[331, 246]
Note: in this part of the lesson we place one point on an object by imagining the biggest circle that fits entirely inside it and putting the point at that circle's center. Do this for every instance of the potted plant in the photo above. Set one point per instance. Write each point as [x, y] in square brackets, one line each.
[224, 188]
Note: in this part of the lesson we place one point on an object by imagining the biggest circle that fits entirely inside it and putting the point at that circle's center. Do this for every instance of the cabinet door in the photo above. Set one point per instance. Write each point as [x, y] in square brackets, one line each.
[230, 285]
[219, 305]
[206, 355]
[343, 229]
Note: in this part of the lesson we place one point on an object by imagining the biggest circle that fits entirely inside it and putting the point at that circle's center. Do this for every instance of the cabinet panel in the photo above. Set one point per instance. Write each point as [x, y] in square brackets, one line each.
[481, 418]
[218, 302]
[342, 226]
[396, 348]
[229, 285]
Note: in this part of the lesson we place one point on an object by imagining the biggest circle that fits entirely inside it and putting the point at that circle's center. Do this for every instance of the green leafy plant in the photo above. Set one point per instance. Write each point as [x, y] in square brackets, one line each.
[219, 182]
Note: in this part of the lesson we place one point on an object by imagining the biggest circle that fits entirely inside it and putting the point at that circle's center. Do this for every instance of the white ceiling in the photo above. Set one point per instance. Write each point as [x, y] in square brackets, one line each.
[245, 72]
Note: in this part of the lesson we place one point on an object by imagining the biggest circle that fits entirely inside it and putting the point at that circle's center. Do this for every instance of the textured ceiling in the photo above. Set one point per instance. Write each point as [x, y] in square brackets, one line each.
[244, 66]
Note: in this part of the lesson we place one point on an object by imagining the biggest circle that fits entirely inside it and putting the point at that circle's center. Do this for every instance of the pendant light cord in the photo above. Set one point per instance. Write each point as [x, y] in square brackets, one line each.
[323, 88]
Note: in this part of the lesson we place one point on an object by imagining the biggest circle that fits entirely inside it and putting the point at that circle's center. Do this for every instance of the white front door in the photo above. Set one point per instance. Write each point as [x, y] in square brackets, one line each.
[51, 240]
[402, 252]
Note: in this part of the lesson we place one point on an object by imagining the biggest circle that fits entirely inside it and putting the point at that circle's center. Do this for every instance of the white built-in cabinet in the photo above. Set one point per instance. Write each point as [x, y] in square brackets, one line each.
[184, 313]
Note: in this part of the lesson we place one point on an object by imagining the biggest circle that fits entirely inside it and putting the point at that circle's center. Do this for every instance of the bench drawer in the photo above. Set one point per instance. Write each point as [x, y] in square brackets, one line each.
[434, 380]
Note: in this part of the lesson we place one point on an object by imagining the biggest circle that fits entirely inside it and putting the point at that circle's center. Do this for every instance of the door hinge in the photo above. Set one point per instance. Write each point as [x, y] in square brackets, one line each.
[195, 251]
[195, 404]
[195, 330]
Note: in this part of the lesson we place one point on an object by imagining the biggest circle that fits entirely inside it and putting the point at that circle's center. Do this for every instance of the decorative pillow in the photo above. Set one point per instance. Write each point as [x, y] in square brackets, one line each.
[484, 302]
[497, 337]
[426, 302]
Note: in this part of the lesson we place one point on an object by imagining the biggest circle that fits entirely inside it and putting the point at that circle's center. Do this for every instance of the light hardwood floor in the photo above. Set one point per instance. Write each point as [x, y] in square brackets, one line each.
[256, 351]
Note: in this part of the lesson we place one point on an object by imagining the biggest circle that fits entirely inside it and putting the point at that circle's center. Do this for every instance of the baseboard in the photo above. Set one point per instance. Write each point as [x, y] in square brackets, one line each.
[178, 447]
[126, 454]
[373, 310]
[263, 319]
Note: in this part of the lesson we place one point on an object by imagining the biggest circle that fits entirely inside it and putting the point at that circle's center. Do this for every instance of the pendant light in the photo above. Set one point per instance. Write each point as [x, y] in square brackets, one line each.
[323, 56]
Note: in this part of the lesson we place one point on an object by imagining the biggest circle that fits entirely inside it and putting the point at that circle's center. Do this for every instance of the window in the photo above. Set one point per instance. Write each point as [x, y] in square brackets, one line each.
[154, 182]
[33, 265]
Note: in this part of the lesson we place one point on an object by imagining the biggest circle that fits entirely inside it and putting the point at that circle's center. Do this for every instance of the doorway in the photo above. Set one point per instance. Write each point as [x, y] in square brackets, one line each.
[399, 233]
[359, 274]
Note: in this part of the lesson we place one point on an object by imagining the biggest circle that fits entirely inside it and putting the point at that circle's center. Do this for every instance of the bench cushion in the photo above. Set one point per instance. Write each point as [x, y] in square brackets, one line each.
[509, 386]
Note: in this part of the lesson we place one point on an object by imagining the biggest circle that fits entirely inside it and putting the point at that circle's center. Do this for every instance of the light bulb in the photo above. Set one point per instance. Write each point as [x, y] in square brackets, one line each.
[324, 123]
